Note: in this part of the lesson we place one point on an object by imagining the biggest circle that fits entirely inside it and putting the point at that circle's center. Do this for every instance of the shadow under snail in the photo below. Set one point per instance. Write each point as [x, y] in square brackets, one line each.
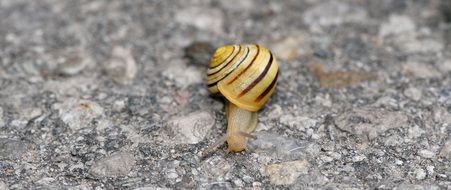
[246, 76]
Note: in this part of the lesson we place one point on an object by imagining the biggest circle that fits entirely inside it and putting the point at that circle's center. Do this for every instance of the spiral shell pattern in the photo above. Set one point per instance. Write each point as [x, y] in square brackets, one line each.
[246, 75]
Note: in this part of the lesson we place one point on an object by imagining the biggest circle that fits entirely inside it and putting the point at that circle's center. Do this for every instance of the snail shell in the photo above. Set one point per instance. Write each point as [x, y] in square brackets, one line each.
[245, 75]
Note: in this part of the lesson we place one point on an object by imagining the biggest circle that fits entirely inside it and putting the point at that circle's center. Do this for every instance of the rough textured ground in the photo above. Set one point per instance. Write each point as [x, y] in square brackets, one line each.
[111, 94]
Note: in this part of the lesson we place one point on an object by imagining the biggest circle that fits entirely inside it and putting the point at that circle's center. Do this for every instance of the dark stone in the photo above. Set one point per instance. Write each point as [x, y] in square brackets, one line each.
[199, 53]
[445, 9]
[323, 54]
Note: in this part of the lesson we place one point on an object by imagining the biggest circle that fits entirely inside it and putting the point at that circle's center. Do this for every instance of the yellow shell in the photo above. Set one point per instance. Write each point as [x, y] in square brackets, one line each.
[246, 75]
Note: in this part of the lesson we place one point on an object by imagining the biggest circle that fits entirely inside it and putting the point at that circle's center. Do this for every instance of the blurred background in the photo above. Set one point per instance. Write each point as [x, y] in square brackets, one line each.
[111, 94]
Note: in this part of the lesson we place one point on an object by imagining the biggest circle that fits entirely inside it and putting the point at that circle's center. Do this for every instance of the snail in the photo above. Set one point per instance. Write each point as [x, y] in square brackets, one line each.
[246, 76]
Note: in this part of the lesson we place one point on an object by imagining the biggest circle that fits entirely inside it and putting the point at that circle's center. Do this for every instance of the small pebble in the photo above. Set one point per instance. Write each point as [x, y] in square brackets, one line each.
[3, 185]
[122, 67]
[358, 158]
[326, 159]
[192, 128]
[426, 153]
[420, 173]
[78, 114]
[72, 62]
[396, 25]
[413, 93]
[369, 122]
[118, 164]
[286, 173]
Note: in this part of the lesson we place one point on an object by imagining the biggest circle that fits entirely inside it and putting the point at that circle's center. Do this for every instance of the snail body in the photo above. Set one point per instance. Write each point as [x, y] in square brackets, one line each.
[246, 75]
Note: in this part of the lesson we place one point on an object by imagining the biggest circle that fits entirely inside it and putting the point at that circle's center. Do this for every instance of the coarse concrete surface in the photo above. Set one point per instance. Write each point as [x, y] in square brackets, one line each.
[111, 94]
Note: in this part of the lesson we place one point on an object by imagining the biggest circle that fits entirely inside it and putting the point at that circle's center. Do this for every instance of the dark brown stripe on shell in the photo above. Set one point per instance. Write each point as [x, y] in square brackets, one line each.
[245, 57]
[245, 69]
[262, 95]
[225, 65]
[259, 78]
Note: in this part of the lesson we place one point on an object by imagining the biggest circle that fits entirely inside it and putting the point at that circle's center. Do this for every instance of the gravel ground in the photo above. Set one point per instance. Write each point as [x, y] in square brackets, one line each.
[111, 94]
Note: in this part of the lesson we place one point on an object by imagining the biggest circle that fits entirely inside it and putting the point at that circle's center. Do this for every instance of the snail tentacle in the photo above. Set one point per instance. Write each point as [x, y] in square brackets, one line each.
[244, 134]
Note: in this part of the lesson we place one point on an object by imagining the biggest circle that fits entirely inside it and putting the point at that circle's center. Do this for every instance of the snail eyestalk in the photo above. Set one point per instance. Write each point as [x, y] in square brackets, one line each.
[240, 123]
